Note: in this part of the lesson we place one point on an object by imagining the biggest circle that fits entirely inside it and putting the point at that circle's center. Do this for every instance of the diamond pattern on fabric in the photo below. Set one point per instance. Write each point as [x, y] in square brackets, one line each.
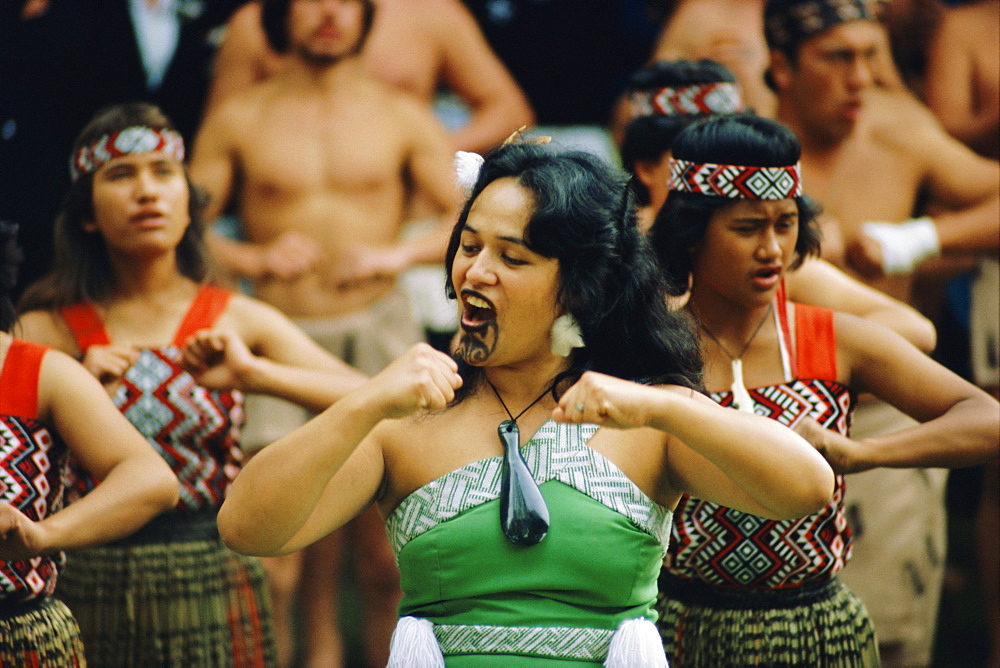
[735, 181]
[726, 547]
[562, 642]
[31, 468]
[696, 99]
[135, 139]
[196, 430]
[556, 452]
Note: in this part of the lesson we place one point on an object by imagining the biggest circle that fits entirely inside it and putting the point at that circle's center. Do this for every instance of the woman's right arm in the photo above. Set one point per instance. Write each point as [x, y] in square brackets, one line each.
[321, 475]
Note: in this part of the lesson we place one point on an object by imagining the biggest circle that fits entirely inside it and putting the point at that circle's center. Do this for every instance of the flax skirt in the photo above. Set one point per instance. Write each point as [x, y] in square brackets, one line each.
[825, 626]
[40, 634]
[188, 604]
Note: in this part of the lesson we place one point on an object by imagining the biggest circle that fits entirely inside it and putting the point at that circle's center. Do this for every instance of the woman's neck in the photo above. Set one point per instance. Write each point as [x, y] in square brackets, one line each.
[520, 385]
[143, 279]
[725, 319]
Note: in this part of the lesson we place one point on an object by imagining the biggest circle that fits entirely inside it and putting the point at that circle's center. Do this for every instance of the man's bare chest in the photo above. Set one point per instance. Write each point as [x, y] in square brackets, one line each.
[324, 156]
[864, 183]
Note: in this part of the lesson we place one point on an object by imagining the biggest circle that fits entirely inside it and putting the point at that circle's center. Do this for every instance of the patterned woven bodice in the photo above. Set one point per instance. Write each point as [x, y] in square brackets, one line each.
[32, 467]
[562, 598]
[726, 547]
[196, 430]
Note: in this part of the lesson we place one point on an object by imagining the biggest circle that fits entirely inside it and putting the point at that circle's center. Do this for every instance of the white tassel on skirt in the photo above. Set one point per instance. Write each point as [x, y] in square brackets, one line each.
[413, 645]
[636, 644]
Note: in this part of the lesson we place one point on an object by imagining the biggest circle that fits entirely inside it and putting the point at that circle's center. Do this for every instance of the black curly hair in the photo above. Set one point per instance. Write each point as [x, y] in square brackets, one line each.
[609, 277]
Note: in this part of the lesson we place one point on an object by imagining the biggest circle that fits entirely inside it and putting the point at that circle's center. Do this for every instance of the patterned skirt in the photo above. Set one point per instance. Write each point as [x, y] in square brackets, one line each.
[39, 633]
[813, 625]
[169, 597]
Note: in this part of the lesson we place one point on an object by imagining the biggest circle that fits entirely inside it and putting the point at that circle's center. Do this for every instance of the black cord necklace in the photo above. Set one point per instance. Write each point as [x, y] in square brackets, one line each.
[514, 418]
[524, 517]
[741, 397]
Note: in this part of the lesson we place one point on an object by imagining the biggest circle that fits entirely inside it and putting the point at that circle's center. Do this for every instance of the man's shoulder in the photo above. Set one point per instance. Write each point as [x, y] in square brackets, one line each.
[243, 105]
[899, 122]
[243, 110]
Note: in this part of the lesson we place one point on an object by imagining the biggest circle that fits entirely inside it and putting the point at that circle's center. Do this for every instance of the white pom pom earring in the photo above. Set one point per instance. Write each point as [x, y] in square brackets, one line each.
[566, 335]
[467, 166]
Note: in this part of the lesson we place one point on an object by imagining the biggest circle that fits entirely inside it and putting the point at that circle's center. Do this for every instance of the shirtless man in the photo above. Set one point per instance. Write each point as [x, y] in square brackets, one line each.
[320, 158]
[873, 158]
[963, 75]
[415, 45]
[731, 32]
[963, 91]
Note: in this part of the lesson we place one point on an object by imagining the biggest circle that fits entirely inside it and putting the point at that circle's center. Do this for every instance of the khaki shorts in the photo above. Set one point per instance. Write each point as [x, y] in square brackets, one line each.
[898, 559]
[368, 340]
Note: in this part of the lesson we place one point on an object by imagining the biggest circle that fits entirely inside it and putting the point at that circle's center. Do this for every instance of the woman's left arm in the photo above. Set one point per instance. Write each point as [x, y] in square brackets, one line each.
[743, 461]
[960, 424]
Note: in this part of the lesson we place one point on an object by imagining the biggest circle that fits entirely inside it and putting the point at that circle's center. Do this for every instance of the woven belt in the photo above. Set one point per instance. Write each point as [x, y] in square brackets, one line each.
[699, 593]
[176, 527]
[586, 644]
[15, 608]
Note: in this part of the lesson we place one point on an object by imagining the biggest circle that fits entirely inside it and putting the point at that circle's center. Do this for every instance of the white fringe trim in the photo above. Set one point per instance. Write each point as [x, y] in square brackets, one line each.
[636, 644]
[413, 645]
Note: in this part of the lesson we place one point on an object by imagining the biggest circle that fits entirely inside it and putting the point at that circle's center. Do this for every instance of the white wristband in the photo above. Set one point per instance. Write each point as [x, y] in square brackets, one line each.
[904, 245]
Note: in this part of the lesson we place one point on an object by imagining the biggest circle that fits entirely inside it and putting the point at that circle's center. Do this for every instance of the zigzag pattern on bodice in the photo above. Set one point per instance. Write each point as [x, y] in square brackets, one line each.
[556, 452]
[727, 547]
[31, 471]
[196, 430]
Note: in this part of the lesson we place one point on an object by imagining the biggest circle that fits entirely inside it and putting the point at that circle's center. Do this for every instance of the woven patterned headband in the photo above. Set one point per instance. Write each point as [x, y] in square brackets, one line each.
[736, 181]
[712, 98]
[131, 140]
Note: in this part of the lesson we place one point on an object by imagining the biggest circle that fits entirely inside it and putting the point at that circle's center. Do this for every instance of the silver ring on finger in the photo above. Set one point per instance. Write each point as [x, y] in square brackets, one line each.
[580, 406]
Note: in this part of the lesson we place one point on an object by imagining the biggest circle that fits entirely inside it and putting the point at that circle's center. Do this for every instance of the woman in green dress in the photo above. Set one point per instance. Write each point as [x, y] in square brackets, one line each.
[540, 550]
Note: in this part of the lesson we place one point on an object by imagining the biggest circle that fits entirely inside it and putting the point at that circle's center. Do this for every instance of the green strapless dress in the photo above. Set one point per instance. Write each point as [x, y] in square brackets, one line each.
[493, 603]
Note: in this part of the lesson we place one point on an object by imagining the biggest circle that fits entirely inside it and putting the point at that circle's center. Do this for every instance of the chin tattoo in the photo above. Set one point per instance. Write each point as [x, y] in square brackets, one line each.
[476, 347]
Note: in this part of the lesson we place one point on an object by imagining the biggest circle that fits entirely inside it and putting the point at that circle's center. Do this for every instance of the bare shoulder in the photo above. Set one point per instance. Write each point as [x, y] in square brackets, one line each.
[416, 431]
[901, 123]
[447, 14]
[417, 450]
[246, 314]
[239, 110]
[59, 368]
[397, 100]
[246, 19]
[45, 327]
[897, 115]
[971, 18]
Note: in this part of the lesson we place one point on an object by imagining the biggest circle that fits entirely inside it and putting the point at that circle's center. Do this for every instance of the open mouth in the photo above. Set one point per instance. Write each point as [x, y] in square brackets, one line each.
[147, 216]
[767, 276]
[477, 311]
[768, 272]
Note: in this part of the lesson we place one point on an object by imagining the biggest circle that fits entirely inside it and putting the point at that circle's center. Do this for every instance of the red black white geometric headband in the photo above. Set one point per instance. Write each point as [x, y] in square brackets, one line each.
[689, 100]
[736, 181]
[131, 140]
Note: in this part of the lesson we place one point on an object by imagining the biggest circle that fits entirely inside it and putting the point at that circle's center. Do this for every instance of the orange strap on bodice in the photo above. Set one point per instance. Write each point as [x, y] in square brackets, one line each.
[19, 379]
[88, 329]
[815, 343]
